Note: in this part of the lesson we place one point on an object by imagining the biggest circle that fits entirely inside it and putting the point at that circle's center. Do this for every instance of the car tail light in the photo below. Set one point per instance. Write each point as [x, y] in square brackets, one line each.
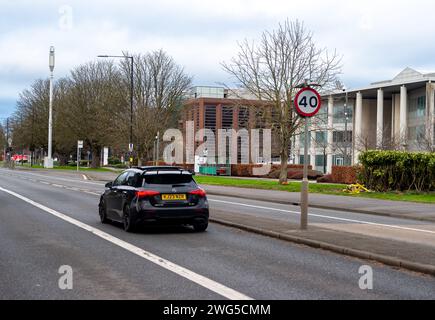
[146, 193]
[199, 192]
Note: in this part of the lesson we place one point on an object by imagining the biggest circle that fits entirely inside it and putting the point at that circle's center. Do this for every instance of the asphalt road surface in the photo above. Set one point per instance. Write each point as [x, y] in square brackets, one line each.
[50, 221]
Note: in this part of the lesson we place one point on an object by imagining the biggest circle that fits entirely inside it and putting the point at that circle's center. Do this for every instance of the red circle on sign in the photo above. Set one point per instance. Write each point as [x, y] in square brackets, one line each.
[299, 110]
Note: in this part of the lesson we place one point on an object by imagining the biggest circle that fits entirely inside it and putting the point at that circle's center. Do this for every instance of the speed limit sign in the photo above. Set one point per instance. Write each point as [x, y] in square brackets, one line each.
[308, 102]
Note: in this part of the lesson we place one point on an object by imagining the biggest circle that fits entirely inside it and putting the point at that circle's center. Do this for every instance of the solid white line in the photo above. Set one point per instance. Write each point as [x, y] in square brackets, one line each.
[327, 217]
[168, 265]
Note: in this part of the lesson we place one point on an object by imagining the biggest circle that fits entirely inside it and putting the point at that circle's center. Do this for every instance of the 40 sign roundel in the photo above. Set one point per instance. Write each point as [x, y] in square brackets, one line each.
[308, 102]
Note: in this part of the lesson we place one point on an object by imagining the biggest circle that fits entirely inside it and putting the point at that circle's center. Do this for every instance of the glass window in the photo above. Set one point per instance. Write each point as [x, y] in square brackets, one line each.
[121, 179]
[417, 133]
[338, 160]
[321, 137]
[320, 160]
[417, 108]
[339, 136]
[321, 163]
[301, 159]
[166, 179]
[322, 116]
[133, 179]
[302, 139]
[340, 112]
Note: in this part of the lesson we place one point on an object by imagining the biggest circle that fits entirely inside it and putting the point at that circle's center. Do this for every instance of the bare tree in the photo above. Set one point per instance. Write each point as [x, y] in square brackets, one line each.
[2, 136]
[424, 142]
[31, 115]
[271, 69]
[93, 107]
[160, 85]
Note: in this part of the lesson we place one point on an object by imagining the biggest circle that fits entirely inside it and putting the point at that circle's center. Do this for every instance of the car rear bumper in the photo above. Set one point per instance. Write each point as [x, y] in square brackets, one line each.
[171, 216]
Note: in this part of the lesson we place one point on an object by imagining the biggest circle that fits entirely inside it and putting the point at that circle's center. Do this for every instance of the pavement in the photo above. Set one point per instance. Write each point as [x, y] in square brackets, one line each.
[39, 236]
[399, 234]
[398, 209]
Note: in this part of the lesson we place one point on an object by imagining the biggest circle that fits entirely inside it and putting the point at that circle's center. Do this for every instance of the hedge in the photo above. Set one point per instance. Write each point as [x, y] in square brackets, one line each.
[398, 170]
[344, 174]
[246, 170]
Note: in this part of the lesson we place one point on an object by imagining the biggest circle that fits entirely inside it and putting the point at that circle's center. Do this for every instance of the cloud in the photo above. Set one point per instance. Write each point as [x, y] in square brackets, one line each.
[376, 38]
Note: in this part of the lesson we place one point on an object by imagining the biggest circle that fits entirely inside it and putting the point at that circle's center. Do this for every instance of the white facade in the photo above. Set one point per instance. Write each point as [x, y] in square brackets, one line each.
[393, 114]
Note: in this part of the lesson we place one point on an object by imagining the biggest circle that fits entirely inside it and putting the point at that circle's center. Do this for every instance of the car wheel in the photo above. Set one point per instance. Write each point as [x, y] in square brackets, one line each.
[200, 227]
[102, 212]
[127, 220]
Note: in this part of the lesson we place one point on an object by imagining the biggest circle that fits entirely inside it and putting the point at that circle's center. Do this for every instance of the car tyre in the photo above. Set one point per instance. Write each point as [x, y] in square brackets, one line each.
[127, 220]
[102, 212]
[200, 227]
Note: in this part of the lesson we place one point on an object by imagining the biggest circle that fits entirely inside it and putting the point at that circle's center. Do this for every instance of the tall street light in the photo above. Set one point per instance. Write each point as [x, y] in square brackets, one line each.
[130, 144]
[48, 163]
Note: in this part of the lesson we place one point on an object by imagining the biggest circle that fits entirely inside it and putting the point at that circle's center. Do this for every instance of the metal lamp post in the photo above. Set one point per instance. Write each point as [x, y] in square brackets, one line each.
[48, 163]
[130, 144]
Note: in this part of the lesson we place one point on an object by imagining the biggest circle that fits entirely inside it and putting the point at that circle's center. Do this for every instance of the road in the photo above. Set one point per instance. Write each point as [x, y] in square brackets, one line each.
[50, 221]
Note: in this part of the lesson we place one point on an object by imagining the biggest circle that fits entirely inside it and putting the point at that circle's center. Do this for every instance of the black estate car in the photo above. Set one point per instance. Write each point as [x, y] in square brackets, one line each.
[167, 195]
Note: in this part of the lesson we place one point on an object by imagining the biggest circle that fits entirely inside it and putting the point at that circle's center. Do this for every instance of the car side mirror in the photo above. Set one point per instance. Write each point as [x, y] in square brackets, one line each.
[109, 185]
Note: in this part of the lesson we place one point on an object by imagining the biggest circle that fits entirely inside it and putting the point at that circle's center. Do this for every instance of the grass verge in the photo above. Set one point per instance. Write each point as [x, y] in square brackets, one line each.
[331, 189]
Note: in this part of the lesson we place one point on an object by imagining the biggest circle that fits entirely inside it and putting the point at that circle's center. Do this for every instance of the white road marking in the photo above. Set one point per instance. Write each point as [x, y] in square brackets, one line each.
[298, 213]
[56, 178]
[85, 177]
[326, 217]
[168, 265]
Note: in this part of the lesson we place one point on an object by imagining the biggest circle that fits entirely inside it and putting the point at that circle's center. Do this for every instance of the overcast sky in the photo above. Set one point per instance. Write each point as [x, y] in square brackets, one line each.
[377, 39]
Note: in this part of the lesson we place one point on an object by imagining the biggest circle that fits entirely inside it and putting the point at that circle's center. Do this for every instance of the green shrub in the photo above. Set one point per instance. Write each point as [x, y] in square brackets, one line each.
[114, 161]
[120, 166]
[398, 170]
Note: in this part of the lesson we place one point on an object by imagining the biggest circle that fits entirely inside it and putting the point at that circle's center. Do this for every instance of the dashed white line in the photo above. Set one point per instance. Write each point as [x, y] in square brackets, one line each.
[166, 264]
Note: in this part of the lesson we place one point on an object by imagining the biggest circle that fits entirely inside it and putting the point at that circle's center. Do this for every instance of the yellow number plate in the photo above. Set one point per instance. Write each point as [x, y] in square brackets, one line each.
[173, 197]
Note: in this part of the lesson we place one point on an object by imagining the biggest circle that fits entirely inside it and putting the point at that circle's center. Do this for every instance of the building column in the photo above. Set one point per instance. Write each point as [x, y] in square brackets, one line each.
[430, 113]
[403, 117]
[358, 126]
[297, 151]
[330, 134]
[393, 118]
[380, 120]
[312, 149]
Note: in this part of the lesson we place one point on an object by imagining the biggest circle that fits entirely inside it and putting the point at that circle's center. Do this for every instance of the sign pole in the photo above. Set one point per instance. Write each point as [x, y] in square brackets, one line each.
[79, 156]
[307, 103]
[304, 187]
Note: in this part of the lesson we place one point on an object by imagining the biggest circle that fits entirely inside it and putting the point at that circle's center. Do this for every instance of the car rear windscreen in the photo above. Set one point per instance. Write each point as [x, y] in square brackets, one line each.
[168, 179]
